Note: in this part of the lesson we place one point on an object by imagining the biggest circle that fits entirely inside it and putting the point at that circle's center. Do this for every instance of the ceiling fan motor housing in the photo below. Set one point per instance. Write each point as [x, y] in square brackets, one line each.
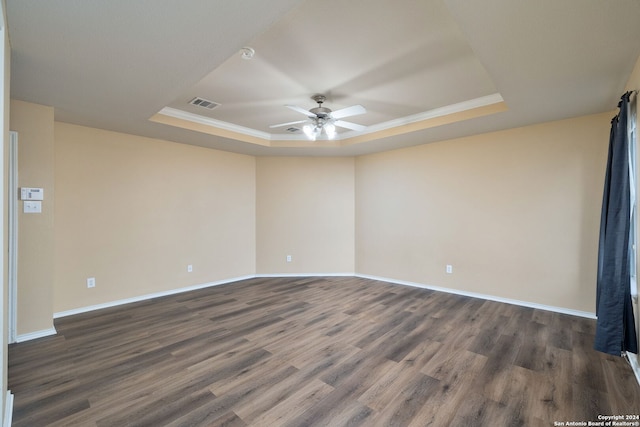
[321, 112]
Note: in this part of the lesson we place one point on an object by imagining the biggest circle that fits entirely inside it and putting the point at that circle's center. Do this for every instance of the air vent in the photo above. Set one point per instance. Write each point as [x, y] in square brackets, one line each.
[201, 102]
[293, 129]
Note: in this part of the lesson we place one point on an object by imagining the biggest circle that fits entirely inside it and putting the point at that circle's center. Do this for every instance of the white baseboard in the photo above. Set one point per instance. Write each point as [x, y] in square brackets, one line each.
[146, 297]
[485, 297]
[349, 274]
[52, 331]
[35, 335]
[8, 410]
[634, 361]
[306, 275]
[187, 289]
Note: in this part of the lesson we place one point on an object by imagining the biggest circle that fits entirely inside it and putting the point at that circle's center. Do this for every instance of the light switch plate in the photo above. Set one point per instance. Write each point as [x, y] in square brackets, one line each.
[34, 206]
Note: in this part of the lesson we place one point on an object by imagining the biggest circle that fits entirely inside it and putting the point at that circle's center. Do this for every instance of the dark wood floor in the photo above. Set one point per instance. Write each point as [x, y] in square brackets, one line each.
[318, 351]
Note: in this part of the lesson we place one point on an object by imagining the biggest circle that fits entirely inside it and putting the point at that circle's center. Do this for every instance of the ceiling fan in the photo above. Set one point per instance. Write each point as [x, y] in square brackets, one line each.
[322, 118]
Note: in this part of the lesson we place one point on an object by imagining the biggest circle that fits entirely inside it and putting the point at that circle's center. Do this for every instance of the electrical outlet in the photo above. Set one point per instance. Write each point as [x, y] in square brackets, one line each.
[91, 282]
[189, 268]
[449, 269]
[288, 258]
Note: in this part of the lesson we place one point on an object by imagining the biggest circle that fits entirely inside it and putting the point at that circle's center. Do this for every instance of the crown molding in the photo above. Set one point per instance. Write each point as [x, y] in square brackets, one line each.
[447, 110]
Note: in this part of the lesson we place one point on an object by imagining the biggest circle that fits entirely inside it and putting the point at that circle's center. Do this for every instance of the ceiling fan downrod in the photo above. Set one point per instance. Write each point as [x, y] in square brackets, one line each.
[320, 111]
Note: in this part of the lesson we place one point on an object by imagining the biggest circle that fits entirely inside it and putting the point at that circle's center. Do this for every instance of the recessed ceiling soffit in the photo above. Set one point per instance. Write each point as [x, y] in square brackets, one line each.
[408, 65]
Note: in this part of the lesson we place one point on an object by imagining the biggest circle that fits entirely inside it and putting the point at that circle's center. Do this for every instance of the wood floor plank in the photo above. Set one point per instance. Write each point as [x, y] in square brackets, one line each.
[352, 415]
[390, 384]
[402, 409]
[48, 414]
[586, 363]
[619, 389]
[320, 351]
[531, 352]
[350, 379]
[478, 410]
[306, 351]
[265, 371]
[441, 407]
[160, 411]
[230, 419]
[495, 374]
[274, 396]
[295, 405]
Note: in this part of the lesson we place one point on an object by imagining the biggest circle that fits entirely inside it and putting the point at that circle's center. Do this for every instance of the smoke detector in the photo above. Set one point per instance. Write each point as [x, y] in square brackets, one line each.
[247, 52]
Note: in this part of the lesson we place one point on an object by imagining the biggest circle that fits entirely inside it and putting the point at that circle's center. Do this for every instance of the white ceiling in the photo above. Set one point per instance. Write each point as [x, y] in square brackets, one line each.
[117, 64]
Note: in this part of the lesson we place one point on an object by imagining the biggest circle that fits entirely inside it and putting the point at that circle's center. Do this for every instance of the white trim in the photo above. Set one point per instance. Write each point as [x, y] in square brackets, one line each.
[319, 138]
[437, 112]
[207, 121]
[485, 297]
[634, 361]
[8, 408]
[305, 275]
[12, 267]
[187, 289]
[146, 297]
[364, 276]
[35, 335]
[459, 107]
[81, 310]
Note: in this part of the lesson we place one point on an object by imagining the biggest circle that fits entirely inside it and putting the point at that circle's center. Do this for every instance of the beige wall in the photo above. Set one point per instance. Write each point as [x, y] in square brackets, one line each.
[515, 212]
[305, 208]
[133, 212]
[34, 124]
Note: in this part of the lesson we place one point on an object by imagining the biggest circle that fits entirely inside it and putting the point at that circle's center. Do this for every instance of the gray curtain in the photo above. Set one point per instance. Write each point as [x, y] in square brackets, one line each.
[615, 327]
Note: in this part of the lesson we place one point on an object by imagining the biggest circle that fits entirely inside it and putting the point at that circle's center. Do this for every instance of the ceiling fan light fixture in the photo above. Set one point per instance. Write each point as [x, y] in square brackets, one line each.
[309, 130]
[330, 130]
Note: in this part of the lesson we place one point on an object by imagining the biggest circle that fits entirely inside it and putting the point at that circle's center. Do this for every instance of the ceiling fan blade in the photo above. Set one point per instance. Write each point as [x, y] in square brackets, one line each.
[287, 124]
[301, 110]
[354, 110]
[349, 125]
